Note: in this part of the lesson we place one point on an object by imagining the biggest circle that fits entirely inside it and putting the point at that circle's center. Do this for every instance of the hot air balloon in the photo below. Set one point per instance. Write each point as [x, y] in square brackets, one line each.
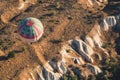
[30, 29]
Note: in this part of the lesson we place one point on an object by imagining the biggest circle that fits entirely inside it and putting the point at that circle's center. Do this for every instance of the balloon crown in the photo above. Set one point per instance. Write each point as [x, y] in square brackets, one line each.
[29, 23]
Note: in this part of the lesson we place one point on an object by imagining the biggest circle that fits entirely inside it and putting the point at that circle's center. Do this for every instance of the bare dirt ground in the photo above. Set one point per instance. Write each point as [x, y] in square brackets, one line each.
[62, 20]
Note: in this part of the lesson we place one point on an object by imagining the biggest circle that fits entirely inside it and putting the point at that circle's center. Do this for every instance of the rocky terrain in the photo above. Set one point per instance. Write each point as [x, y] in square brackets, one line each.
[80, 40]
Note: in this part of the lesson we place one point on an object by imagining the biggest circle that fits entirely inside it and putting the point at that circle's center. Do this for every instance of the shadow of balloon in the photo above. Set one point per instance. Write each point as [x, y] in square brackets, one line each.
[17, 51]
[3, 58]
[10, 55]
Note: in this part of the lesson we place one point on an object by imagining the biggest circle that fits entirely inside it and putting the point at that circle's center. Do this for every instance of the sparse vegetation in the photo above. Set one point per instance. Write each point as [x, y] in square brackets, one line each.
[111, 70]
[69, 77]
[5, 43]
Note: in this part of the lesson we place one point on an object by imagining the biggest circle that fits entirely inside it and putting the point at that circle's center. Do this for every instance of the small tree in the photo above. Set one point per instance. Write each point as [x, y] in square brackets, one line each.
[23, 49]
[64, 77]
[92, 77]
[68, 50]
[105, 77]
[11, 55]
[74, 77]
[107, 61]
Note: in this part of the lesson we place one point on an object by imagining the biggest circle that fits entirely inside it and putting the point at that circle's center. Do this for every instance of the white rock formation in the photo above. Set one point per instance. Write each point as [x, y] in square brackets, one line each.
[43, 73]
[108, 22]
[93, 5]
[82, 49]
[25, 3]
[69, 55]
[94, 69]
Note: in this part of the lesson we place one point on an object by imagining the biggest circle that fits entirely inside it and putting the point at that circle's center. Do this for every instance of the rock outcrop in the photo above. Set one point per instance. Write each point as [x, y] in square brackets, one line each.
[44, 73]
[93, 5]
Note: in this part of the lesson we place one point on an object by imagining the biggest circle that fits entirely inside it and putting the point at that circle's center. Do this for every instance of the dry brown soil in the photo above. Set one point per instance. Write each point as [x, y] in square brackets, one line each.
[62, 20]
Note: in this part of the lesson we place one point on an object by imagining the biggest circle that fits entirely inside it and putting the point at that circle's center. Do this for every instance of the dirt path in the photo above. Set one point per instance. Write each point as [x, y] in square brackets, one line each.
[40, 56]
[49, 44]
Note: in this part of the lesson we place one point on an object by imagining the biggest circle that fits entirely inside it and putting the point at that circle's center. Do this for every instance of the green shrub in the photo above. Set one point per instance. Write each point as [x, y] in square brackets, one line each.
[115, 60]
[64, 77]
[68, 50]
[107, 61]
[91, 77]
[23, 49]
[74, 77]
[107, 45]
[62, 38]
[11, 55]
[44, 36]
[69, 77]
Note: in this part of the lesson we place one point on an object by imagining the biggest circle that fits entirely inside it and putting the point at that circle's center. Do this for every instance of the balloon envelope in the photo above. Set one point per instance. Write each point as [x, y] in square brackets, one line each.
[30, 29]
